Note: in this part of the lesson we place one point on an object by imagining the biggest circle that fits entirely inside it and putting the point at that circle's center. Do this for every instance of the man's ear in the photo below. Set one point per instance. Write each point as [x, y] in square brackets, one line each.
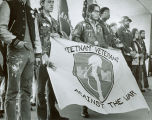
[88, 14]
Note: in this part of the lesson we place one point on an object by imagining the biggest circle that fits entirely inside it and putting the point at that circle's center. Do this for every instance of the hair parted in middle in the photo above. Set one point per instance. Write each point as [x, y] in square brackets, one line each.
[134, 30]
[92, 7]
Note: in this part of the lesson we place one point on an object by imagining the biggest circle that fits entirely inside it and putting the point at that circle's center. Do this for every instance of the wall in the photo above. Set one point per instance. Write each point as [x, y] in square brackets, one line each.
[143, 22]
[151, 37]
[1, 58]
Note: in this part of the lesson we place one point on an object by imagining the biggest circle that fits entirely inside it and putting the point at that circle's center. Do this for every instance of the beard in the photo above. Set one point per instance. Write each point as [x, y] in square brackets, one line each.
[143, 37]
[127, 25]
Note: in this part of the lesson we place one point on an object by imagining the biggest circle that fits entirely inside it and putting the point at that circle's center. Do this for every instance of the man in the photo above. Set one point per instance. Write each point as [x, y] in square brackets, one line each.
[3, 50]
[17, 30]
[150, 66]
[107, 32]
[90, 31]
[48, 27]
[117, 43]
[144, 51]
[137, 62]
[2, 92]
[2, 80]
[127, 40]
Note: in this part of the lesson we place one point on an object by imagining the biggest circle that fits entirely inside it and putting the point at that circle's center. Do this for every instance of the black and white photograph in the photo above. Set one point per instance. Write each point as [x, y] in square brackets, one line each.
[75, 59]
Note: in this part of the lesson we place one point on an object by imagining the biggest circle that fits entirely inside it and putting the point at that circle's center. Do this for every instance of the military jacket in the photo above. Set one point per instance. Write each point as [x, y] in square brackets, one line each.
[85, 32]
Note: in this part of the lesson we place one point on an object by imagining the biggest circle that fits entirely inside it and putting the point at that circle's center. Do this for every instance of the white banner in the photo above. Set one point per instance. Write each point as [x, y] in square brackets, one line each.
[92, 76]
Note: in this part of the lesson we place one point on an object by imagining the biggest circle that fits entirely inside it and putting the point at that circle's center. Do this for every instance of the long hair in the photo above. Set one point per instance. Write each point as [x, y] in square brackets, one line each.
[134, 30]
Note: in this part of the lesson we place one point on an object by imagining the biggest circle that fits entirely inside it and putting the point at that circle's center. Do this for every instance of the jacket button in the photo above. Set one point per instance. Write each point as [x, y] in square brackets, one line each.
[23, 26]
[23, 11]
[22, 35]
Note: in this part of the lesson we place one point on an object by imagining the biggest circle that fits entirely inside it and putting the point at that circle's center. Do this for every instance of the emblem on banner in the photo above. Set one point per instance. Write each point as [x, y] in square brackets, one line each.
[95, 73]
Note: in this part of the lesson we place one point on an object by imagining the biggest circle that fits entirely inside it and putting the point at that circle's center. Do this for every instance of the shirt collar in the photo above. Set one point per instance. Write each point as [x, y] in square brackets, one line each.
[47, 17]
[92, 22]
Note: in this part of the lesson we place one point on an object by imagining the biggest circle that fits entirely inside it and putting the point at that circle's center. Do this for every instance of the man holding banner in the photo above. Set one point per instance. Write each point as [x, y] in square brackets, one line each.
[90, 31]
[92, 75]
[48, 27]
[126, 38]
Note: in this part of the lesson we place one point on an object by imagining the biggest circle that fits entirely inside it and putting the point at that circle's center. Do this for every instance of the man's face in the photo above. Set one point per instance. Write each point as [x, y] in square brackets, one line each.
[95, 13]
[136, 34]
[23, 1]
[142, 35]
[114, 28]
[48, 5]
[126, 23]
[106, 14]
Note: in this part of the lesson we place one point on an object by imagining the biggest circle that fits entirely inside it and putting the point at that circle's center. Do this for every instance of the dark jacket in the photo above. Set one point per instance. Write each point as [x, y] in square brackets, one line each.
[138, 49]
[107, 33]
[84, 32]
[1, 71]
[127, 39]
[17, 23]
[144, 51]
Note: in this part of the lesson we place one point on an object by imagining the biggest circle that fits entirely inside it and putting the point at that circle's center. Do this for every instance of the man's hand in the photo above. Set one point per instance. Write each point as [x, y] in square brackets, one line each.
[20, 45]
[141, 55]
[133, 54]
[136, 56]
[37, 61]
[51, 65]
[55, 35]
[119, 45]
[45, 59]
[118, 40]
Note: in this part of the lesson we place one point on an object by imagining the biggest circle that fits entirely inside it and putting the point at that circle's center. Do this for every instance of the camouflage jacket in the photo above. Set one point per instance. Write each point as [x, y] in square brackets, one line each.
[84, 32]
[46, 27]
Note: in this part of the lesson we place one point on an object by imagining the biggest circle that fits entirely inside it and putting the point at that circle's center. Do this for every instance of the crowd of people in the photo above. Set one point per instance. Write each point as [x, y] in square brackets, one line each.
[25, 46]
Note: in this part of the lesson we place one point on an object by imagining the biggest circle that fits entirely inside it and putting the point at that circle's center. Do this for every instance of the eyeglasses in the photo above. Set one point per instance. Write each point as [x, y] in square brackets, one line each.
[96, 11]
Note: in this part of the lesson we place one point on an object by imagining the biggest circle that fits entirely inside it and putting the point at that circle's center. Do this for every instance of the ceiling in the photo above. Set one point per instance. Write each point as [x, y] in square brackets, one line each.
[118, 8]
[128, 7]
[121, 7]
[147, 4]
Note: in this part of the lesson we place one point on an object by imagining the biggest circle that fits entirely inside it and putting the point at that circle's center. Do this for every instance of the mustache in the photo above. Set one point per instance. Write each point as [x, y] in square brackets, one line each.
[24, 1]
